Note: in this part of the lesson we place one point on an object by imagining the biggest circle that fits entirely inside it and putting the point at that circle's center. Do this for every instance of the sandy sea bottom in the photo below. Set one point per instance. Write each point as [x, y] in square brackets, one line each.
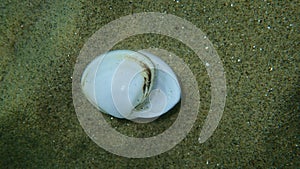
[257, 43]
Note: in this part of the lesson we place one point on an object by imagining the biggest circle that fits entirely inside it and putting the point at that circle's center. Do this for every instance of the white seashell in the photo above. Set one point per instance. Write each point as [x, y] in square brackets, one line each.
[131, 85]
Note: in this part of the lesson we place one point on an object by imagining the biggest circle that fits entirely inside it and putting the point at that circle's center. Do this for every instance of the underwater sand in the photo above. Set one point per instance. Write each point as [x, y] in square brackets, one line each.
[258, 44]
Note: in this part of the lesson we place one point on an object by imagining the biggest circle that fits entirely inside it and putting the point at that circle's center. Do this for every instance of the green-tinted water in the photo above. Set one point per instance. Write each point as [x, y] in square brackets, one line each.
[257, 42]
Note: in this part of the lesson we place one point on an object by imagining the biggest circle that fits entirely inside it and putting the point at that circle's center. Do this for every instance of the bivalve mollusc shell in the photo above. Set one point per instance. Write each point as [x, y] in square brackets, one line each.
[131, 85]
